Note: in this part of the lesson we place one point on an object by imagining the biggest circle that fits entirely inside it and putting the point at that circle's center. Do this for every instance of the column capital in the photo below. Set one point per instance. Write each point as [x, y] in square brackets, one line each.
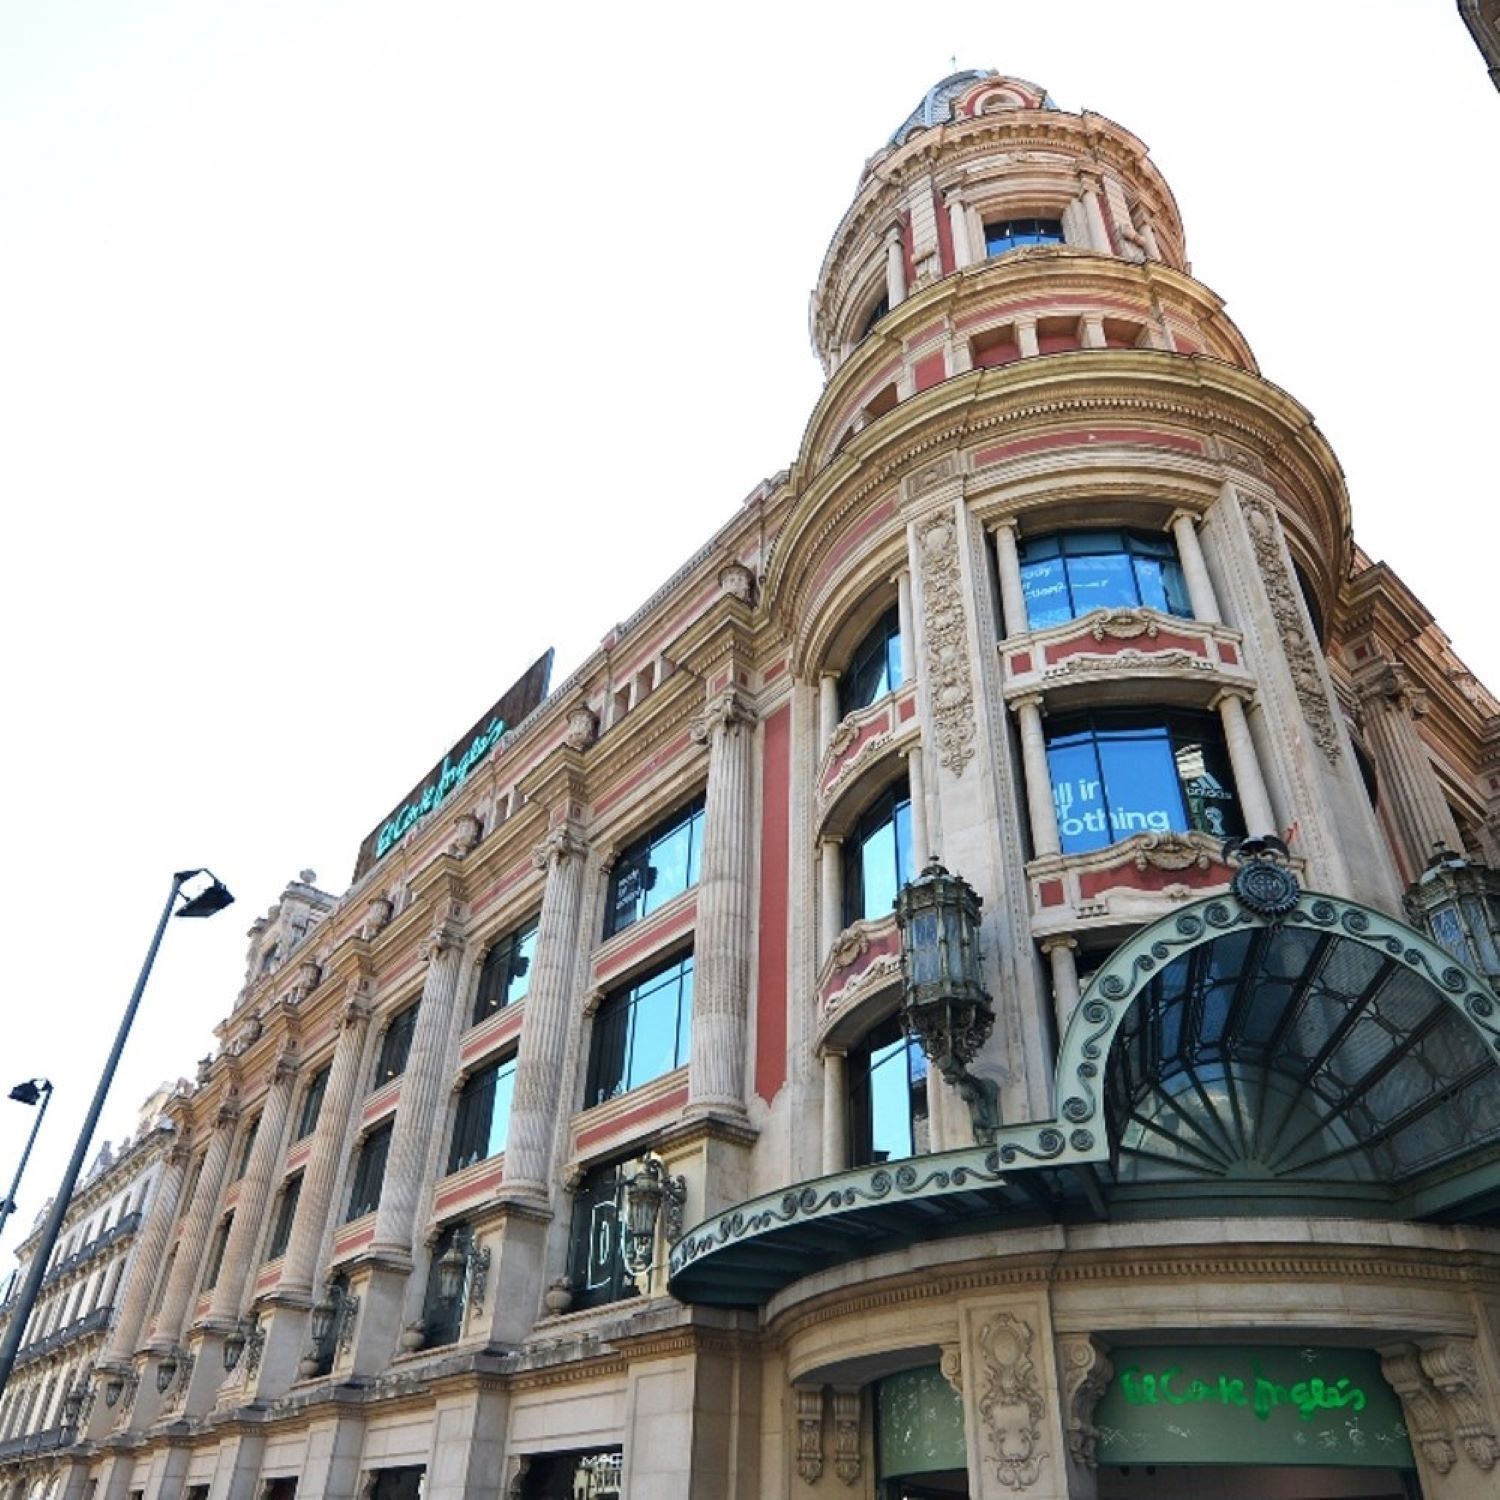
[1011, 524]
[727, 710]
[1243, 694]
[284, 1069]
[1182, 513]
[893, 235]
[446, 934]
[1058, 940]
[560, 845]
[1037, 701]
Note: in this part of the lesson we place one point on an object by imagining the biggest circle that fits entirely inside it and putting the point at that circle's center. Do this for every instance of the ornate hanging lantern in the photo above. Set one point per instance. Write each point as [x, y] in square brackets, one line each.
[645, 1192]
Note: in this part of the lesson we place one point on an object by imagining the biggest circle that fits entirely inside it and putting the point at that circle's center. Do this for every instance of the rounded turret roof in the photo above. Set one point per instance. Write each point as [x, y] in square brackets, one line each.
[973, 91]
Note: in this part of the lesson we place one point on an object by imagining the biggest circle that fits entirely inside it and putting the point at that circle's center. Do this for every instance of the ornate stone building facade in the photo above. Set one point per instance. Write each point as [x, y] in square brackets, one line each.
[1482, 17]
[579, 1150]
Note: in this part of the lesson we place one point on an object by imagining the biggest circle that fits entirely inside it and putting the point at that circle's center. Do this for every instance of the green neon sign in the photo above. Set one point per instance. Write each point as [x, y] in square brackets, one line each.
[1251, 1404]
[450, 776]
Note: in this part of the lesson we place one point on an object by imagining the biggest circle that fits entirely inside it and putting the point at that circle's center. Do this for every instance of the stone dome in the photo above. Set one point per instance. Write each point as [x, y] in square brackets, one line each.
[965, 94]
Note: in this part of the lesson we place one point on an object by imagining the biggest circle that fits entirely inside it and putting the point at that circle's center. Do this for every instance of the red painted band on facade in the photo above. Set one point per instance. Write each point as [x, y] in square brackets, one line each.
[381, 1102]
[880, 724]
[1085, 644]
[1092, 883]
[931, 371]
[495, 1032]
[1083, 436]
[651, 937]
[356, 1239]
[629, 783]
[267, 1279]
[668, 1104]
[1020, 663]
[775, 856]
[1228, 655]
[297, 1156]
[463, 1191]
[876, 382]
[923, 335]
[775, 670]
[851, 540]
[1050, 892]
[998, 313]
[906, 708]
[881, 945]
[513, 876]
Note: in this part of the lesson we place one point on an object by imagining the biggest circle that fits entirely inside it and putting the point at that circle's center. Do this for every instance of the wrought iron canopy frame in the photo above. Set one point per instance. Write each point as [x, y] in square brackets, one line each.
[740, 1256]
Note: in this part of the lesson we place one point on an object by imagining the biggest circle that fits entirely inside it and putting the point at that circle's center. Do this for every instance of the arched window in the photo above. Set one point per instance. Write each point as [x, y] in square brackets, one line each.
[878, 855]
[887, 1097]
[1069, 574]
[875, 667]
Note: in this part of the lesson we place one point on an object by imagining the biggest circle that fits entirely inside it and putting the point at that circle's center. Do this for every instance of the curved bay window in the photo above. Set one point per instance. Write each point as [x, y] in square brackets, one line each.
[483, 1119]
[878, 855]
[1120, 772]
[1015, 234]
[875, 668]
[1067, 575]
[651, 871]
[641, 1031]
[505, 974]
[887, 1097]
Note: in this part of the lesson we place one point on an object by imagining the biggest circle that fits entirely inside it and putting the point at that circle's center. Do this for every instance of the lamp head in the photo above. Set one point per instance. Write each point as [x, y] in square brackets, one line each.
[451, 1267]
[234, 1346]
[214, 897]
[31, 1091]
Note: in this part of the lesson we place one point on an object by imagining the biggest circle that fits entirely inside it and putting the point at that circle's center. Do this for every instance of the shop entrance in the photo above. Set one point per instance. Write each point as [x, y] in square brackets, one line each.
[1173, 1482]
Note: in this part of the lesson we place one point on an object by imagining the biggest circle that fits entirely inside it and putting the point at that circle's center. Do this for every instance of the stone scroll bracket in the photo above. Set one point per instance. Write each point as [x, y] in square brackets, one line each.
[1086, 1373]
[809, 1416]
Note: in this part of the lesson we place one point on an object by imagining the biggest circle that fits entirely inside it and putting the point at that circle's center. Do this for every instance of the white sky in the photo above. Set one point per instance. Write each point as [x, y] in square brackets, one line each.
[352, 354]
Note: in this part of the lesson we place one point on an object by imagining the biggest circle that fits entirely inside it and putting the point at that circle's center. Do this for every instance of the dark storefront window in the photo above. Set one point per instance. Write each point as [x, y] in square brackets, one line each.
[312, 1104]
[1068, 575]
[596, 1267]
[875, 668]
[286, 1212]
[369, 1172]
[395, 1046]
[216, 1252]
[641, 1031]
[655, 869]
[506, 973]
[887, 1097]
[483, 1117]
[404, 1483]
[247, 1145]
[592, 1475]
[1119, 773]
[1012, 234]
[878, 855]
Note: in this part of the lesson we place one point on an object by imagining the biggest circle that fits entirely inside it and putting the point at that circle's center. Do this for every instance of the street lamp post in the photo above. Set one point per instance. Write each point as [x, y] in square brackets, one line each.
[30, 1092]
[214, 897]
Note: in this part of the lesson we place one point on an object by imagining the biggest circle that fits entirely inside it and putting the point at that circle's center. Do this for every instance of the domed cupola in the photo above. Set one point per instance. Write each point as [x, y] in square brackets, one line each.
[986, 185]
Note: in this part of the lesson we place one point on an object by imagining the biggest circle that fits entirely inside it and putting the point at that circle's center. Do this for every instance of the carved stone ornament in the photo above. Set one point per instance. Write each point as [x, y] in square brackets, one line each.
[1086, 1372]
[1171, 851]
[945, 628]
[952, 1367]
[809, 1432]
[1301, 660]
[561, 845]
[583, 728]
[726, 711]
[466, 831]
[1425, 1418]
[445, 936]
[1130, 660]
[1010, 1400]
[736, 580]
[844, 736]
[1124, 625]
[851, 944]
[1451, 1367]
[846, 1462]
[377, 917]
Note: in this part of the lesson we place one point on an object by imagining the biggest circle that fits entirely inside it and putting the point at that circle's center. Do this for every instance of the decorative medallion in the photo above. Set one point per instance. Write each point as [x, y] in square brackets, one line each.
[1010, 1400]
[1262, 883]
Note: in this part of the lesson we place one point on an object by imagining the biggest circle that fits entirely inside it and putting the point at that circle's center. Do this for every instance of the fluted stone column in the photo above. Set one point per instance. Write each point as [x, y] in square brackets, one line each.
[151, 1251]
[1200, 586]
[1409, 788]
[1255, 802]
[895, 268]
[422, 1088]
[1098, 229]
[195, 1231]
[300, 1265]
[244, 1233]
[1039, 804]
[1012, 591]
[721, 943]
[533, 1111]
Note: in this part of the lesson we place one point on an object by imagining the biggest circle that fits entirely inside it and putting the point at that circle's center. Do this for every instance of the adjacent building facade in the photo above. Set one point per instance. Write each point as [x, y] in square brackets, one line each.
[579, 1149]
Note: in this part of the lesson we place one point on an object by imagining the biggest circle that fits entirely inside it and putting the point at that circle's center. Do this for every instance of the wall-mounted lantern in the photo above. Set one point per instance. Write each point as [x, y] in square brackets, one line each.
[646, 1191]
[945, 1008]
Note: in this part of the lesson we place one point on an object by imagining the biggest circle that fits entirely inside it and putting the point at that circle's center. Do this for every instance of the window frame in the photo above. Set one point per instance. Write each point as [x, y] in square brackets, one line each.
[247, 1148]
[1026, 241]
[213, 1262]
[600, 1190]
[860, 1102]
[898, 794]
[286, 1215]
[1137, 545]
[312, 1102]
[443, 1317]
[396, 1037]
[616, 1017]
[466, 1129]
[635, 858]
[375, 1147]
[882, 643]
[510, 950]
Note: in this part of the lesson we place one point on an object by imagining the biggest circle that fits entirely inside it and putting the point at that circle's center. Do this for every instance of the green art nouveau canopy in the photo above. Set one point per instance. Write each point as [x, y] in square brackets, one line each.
[1238, 1056]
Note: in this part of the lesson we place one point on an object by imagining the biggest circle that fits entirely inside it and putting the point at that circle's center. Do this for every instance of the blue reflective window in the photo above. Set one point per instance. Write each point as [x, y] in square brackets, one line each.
[887, 1097]
[875, 668]
[878, 855]
[1012, 234]
[655, 869]
[1122, 773]
[1065, 576]
[483, 1119]
[641, 1032]
[505, 975]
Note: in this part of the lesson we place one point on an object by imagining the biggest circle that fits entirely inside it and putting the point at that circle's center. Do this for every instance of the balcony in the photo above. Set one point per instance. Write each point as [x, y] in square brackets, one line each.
[96, 1246]
[99, 1318]
[35, 1442]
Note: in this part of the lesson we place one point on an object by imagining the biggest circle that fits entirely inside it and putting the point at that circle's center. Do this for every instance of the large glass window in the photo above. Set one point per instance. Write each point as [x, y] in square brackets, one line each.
[1068, 575]
[312, 1103]
[483, 1118]
[875, 668]
[878, 855]
[369, 1172]
[216, 1251]
[1012, 234]
[655, 869]
[596, 1266]
[887, 1097]
[594, 1475]
[247, 1145]
[395, 1046]
[641, 1031]
[505, 975]
[1123, 772]
[286, 1213]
